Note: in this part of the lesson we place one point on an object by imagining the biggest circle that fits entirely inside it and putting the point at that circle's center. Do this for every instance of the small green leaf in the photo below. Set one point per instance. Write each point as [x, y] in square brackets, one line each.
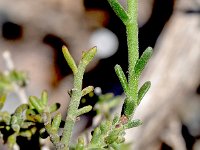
[87, 90]
[112, 103]
[2, 100]
[89, 55]
[122, 77]
[116, 146]
[26, 125]
[120, 139]
[141, 63]
[134, 123]
[113, 135]
[12, 140]
[19, 77]
[128, 107]
[14, 120]
[111, 138]
[44, 98]
[69, 59]
[26, 133]
[80, 144]
[84, 110]
[143, 90]
[30, 112]
[56, 122]
[34, 118]
[36, 104]
[96, 136]
[15, 127]
[105, 127]
[119, 10]
[105, 97]
[20, 109]
[115, 119]
[6, 117]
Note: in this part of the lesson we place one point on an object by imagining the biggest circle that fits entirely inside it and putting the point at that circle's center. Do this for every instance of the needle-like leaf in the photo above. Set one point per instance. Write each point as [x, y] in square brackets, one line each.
[119, 10]
[122, 78]
[69, 59]
[87, 90]
[143, 90]
[141, 63]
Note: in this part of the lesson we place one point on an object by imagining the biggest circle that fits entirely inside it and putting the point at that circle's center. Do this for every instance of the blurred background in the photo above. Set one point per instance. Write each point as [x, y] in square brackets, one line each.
[35, 31]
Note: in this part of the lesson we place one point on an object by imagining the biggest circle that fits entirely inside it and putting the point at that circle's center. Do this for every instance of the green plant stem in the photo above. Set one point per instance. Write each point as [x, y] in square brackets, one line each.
[133, 55]
[132, 41]
[75, 99]
[131, 90]
[74, 103]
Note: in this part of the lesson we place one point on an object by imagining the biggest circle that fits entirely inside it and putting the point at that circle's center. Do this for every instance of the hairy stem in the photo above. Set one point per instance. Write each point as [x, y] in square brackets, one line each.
[131, 90]
[132, 40]
[74, 103]
[133, 55]
[75, 99]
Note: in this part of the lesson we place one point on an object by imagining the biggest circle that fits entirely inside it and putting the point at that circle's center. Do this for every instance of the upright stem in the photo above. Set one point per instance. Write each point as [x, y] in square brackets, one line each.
[76, 95]
[74, 103]
[133, 55]
[132, 40]
[129, 18]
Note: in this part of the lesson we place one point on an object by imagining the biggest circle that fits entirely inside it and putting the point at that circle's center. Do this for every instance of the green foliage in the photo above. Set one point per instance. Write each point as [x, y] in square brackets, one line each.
[8, 79]
[122, 78]
[119, 10]
[2, 100]
[29, 119]
[136, 64]
[106, 102]
[77, 92]
[37, 115]
[69, 59]
[141, 63]
[143, 90]
[87, 90]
